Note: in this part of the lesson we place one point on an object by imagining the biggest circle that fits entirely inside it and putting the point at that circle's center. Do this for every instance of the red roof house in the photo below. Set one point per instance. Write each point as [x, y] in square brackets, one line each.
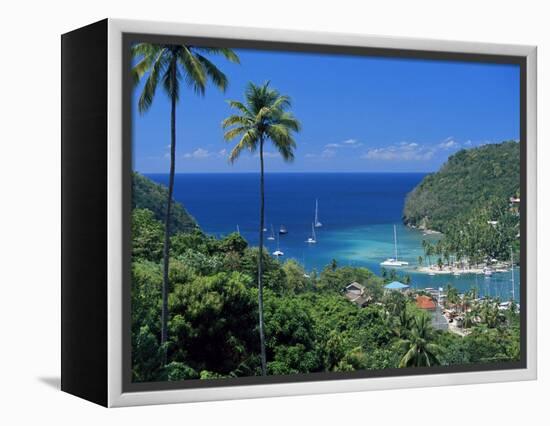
[425, 302]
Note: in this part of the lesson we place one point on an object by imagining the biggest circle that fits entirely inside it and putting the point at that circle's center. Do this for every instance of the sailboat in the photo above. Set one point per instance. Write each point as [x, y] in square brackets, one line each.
[317, 223]
[278, 252]
[313, 238]
[272, 236]
[395, 262]
[283, 230]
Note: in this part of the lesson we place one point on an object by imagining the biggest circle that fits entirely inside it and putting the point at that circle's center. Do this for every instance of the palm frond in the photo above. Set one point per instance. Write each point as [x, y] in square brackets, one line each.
[408, 357]
[282, 140]
[142, 50]
[195, 74]
[158, 65]
[241, 107]
[140, 69]
[248, 141]
[288, 120]
[233, 133]
[236, 119]
[282, 102]
[218, 78]
[262, 117]
[229, 54]
[171, 79]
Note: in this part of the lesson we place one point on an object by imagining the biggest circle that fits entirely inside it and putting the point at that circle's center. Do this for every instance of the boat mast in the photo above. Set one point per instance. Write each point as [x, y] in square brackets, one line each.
[313, 232]
[316, 211]
[395, 241]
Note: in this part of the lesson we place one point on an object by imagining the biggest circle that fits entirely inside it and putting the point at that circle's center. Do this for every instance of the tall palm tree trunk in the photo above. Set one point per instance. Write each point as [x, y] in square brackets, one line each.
[166, 249]
[260, 262]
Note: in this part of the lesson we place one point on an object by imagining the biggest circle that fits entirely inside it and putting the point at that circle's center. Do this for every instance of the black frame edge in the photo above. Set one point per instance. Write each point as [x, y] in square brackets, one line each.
[84, 212]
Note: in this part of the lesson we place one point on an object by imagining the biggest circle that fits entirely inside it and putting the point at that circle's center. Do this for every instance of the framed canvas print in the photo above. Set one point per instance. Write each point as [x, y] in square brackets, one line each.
[251, 212]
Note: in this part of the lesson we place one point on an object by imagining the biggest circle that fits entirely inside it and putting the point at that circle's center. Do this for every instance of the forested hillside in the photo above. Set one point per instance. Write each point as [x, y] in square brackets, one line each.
[469, 181]
[149, 195]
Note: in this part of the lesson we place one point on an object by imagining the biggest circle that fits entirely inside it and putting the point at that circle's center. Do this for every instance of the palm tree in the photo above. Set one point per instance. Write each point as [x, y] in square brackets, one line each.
[263, 116]
[452, 295]
[428, 251]
[418, 347]
[170, 64]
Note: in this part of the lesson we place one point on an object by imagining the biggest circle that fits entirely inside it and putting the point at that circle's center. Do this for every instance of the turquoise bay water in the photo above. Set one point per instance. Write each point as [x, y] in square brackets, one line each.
[357, 210]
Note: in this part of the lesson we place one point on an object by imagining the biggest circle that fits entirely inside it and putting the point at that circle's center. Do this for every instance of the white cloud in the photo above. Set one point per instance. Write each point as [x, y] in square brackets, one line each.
[403, 151]
[326, 153]
[449, 143]
[197, 154]
[412, 151]
[348, 143]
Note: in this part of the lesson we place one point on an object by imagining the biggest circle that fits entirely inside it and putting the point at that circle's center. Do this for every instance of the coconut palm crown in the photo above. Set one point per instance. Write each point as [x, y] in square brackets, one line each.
[170, 64]
[263, 116]
[420, 351]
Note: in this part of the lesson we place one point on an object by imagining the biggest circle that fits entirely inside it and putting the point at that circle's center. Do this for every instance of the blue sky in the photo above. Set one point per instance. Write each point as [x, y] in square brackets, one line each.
[359, 114]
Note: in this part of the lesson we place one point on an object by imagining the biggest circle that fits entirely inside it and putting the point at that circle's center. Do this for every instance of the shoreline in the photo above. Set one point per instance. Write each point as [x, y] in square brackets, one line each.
[425, 231]
[452, 270]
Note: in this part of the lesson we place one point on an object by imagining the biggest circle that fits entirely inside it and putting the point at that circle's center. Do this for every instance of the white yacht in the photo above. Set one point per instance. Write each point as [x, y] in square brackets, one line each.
[394, 261]
[272, 236]
[313, 238]
[277, 253]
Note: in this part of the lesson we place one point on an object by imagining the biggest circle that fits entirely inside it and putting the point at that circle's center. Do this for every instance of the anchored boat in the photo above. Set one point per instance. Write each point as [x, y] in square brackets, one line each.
[394, 261]
[277, 253]
[313, 238]
[272, 236]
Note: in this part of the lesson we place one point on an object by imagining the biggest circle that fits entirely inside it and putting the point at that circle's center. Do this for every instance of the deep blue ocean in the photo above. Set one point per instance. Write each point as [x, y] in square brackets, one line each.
[357, 210]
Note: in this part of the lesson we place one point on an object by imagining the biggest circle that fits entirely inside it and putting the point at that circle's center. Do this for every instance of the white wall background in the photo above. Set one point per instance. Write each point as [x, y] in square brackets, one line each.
[30, 209]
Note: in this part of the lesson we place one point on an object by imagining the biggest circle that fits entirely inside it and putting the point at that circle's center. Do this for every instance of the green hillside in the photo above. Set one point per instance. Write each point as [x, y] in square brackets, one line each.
[469, 180]
[149, 195]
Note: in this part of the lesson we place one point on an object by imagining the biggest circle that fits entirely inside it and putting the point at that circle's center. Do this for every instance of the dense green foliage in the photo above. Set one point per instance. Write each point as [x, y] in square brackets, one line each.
[147, 194]
[468, 182]
[491, 233]
[309, 325]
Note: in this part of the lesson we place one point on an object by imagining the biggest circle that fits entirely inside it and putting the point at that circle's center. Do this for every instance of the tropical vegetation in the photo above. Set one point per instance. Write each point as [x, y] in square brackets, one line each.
[470, 180]
[469, 200]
